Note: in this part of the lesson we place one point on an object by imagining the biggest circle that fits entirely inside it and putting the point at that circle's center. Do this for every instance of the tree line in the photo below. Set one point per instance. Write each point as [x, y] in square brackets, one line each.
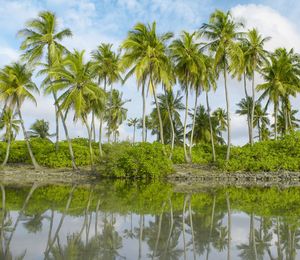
[85, 90]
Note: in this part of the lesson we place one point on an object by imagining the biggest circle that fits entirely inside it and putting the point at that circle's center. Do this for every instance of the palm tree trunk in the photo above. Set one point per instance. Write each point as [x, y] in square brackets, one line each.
[245, 85]
[144, 131]
[161, 131]
[171, 227]
[34, 162]
[211, 226]
[100, 126]
[279, 251]
[159, 231]
[141, 223]
[275, 117]
[108, 126]
[185, 122]
[193, 125]
[252, 237]
[96, 217]
[3, 215]
[171, 124]
[7, 146]
[90, 141]
[93, 128]
[63, 120]
[56, 123]
[228, 115]
[229, 227]
[252, 109]
[248, 119]
[210, 129]
[134, 126]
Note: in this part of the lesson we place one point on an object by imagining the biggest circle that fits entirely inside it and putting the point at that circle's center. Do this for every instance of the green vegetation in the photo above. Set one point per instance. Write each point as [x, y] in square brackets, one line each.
[84, 89]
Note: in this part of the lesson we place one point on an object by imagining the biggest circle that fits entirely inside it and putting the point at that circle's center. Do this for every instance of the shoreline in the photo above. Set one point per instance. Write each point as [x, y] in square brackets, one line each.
[185, 176]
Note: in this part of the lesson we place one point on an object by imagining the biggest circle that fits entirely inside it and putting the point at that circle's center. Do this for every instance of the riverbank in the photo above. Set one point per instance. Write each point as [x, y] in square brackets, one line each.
[186, 177]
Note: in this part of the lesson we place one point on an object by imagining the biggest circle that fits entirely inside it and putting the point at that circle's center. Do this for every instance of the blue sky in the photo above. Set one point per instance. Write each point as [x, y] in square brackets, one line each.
[96, 21]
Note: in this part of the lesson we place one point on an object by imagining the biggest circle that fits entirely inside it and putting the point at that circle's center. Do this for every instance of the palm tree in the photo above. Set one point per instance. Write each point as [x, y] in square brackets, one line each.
[41, 35]
[80, 93]
[148, 125]
[117, 113]
[221, 117]
[170, 107]
[106, 67]
[40, 128]
[281, 75]
[209, 83]
[222, 30]
[16, 85]
[188, 66]
[11, 126]
[261, 120]
[254, 56]
[145, 55]
[133, 122]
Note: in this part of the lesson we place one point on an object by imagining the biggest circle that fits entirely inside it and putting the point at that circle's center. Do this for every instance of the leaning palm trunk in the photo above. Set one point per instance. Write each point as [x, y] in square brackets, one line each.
[93, 129]
[109, 116]
[228, 116]
[100, 126]
[144, 132]
[211, 227]
[161, 131]
[172, 126]
[193, 125]
[7, 147]
[184, 126]
[90, 141]
[252, 110]
[34, 162]
[275, 119]
[56, 123]
[210, 129]
[159, 231]
[63, 120]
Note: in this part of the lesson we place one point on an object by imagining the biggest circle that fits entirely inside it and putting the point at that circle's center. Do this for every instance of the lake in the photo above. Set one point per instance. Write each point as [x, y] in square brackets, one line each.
[136, 220]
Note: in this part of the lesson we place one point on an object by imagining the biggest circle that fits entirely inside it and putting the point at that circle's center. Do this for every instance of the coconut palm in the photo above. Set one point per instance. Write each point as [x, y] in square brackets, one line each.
[11, 126]
[145, 55]
[16, 85]
[116, 114]
[188, 65]
[148, 125]
[223, 32]
[281, 75]
[261, 120]
[40, 129]
[41, 36]
[221, 117]
[80, 93]
[254, 56]
[106, 67]
[133, 122]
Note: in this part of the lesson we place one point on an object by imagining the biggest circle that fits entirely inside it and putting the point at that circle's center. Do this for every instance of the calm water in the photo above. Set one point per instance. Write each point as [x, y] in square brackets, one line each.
[121, 220]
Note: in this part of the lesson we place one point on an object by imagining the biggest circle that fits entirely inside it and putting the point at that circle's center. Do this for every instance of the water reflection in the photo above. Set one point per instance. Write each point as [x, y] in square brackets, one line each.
[121, 220]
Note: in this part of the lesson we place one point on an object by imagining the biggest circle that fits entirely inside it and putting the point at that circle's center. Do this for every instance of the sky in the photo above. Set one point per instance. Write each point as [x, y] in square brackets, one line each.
[95, 21]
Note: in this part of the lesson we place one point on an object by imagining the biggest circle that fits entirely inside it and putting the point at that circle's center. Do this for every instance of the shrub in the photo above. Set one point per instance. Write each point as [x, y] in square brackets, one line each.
[143, 160]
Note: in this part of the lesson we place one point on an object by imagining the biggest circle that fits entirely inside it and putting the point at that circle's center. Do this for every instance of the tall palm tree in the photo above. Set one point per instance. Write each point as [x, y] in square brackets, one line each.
[145, 55]
[281, 75]
[133, 122]
[223, 32]
[106, 67]
[11, 126]
[170, 106]
[40, 128]
[254, 56]
[117, 113]
[261, 120]
[80, 93]
[16, 85]
[148, 125]
[188, 66]
[41, 36]
[221, 117]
